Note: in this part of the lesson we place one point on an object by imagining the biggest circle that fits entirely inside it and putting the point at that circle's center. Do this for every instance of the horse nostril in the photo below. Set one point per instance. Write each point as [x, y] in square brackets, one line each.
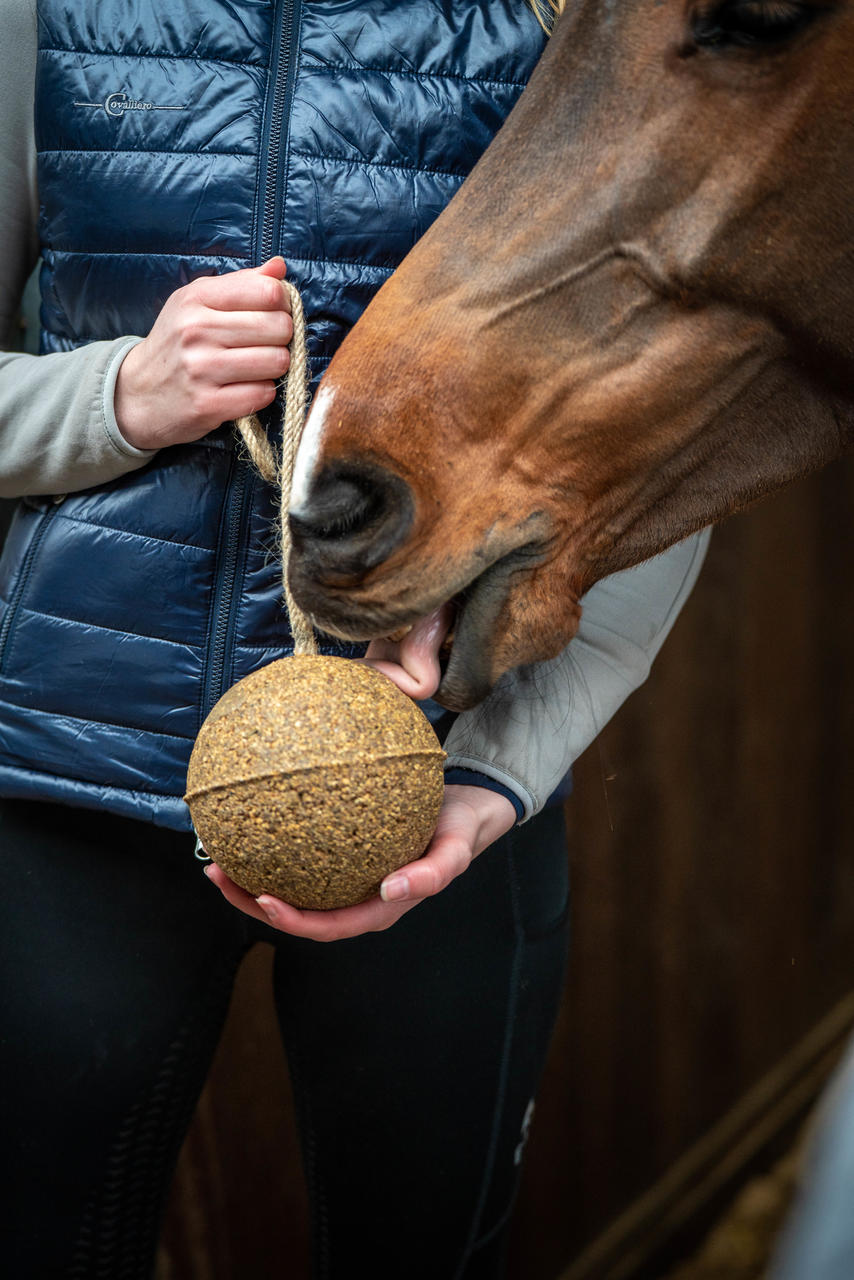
[340, 505]
[355, 516]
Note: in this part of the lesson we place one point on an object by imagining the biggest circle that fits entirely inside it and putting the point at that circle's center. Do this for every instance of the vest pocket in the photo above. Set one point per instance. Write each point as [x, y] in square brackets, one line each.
[28, 555]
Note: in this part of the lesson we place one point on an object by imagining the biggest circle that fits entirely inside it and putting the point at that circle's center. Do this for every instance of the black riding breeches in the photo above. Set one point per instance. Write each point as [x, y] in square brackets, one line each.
[414, 1053]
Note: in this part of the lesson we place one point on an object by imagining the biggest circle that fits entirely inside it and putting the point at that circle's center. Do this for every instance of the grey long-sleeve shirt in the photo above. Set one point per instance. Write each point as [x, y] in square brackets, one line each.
[58, 433]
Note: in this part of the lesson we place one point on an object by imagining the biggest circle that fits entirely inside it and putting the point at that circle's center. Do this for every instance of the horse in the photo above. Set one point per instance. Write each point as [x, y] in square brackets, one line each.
[634, 318]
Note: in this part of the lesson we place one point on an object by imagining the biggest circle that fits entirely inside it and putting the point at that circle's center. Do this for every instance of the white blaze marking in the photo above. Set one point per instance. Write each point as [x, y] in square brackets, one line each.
[309, 448]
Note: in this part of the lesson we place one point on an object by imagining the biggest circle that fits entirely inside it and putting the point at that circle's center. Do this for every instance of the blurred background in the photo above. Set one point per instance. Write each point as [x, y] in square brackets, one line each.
[711, 970]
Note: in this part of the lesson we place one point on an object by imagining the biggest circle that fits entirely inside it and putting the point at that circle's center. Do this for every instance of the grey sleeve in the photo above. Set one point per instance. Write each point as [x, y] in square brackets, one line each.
[18, 198]
[58, 431]
[539, 719]
[57, 426]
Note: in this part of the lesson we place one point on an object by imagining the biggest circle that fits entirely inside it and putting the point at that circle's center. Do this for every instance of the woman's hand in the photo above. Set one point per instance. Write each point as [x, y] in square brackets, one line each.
[214, 353]
[413, 661]
[471, 818]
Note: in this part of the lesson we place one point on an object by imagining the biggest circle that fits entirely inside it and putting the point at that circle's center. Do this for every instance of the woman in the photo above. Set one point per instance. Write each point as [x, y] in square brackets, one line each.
[181, 156]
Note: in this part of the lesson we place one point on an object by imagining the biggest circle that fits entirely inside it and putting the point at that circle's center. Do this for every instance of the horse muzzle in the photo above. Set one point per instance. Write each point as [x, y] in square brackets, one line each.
[353, 520]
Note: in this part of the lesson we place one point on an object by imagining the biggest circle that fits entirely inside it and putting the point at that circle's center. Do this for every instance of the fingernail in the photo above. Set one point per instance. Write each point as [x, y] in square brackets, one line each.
[394, 889]
[269, 910]
[207, 871]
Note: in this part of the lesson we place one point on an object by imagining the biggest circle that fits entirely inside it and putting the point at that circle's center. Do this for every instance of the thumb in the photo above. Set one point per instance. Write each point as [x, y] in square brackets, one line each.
[413, 662]
[274, 267]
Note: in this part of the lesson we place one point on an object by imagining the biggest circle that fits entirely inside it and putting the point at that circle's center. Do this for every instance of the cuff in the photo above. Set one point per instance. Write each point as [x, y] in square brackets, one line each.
[463, 776]
[108, 412]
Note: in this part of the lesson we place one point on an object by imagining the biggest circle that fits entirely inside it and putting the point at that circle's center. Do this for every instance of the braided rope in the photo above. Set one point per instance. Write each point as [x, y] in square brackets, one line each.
[279, 471]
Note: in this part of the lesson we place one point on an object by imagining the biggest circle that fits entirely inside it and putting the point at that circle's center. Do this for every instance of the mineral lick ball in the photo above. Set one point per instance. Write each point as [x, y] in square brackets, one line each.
[312, 779]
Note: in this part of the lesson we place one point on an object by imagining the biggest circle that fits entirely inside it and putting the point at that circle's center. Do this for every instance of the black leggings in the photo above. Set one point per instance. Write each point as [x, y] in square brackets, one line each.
[414, 1052]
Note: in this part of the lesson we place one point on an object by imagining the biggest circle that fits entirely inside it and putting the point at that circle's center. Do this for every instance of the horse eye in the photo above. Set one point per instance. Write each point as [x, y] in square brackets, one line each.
[750, 23]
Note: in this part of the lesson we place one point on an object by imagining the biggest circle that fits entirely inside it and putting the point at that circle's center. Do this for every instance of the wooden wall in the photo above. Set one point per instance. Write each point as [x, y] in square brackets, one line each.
[710, 838]
[711, 842]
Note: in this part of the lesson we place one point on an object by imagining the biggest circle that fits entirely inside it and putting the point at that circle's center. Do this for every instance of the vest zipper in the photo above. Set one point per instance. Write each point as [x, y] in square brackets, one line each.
[282, 69]
[224, 603]
[23, 578]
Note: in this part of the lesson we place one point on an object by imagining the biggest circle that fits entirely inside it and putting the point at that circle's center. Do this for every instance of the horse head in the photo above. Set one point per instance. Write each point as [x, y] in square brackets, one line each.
[635, 317]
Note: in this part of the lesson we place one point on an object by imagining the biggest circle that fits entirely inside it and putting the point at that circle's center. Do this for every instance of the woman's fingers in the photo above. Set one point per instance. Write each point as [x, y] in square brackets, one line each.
[251, 289]
[248, 364]
[322, 926]
[201, 328]
[470, 819]
[233, 893]
[450, 855]
[446, 858]
[372, 916]
[242, 398]
[413, 661]
[249, 328]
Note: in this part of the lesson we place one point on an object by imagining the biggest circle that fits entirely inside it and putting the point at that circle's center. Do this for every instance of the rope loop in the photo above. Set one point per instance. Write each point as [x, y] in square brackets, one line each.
[279, 471]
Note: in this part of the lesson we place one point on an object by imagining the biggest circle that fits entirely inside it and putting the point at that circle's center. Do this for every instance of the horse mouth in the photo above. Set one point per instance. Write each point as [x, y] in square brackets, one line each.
[462, 684]
[466, 656]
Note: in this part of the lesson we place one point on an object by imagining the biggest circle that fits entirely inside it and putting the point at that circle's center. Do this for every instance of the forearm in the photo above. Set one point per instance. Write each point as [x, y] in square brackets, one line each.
[58, 431]
[539, 719]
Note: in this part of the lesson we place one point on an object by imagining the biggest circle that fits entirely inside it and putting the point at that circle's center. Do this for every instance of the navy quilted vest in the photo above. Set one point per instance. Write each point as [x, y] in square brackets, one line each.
[176, 141]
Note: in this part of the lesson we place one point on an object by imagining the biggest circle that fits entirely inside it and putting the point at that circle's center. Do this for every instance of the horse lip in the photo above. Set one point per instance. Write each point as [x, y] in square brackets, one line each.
[467, 677]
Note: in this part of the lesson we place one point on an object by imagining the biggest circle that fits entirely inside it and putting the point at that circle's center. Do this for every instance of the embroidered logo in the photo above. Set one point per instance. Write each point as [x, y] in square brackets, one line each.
[116, 104]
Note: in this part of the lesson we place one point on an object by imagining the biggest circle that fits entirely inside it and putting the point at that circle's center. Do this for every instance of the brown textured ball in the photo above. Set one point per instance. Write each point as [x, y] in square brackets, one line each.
[312, 779]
